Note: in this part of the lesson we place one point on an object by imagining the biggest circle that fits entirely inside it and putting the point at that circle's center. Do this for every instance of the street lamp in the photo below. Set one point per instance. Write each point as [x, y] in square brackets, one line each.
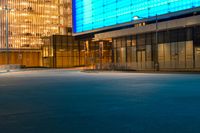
[6, 9]
[138, 17]
[156, 65]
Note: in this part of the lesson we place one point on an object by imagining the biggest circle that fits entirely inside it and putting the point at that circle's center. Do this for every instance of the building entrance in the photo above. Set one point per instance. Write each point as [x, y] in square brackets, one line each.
[141, 59]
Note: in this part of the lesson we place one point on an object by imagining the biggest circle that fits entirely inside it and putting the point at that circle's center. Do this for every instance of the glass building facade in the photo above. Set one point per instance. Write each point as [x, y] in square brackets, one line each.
[95, 14]
[28, 22]
[66, 51]
[177, 49]
[166, 36]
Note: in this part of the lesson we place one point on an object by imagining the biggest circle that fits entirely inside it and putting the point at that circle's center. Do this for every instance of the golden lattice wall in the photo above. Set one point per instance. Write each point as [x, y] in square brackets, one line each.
[31, 20]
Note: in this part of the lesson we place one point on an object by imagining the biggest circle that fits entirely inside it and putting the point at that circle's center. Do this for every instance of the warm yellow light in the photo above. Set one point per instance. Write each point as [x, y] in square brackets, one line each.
[24, 3]
[29, 20]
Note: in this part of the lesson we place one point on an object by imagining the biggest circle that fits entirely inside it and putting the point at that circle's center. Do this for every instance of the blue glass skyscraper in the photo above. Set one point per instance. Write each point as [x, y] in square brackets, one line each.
[94, 14]
[141, 34]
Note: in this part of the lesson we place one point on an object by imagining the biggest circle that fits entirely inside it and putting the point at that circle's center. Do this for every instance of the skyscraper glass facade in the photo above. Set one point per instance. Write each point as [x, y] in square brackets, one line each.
[29, 20]
[94, 14]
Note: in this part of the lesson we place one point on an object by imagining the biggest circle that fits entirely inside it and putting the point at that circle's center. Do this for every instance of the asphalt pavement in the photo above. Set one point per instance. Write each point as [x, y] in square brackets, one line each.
[70, 101]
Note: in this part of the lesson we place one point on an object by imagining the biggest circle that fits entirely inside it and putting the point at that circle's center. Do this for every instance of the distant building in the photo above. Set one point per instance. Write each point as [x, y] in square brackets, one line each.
[143, 34]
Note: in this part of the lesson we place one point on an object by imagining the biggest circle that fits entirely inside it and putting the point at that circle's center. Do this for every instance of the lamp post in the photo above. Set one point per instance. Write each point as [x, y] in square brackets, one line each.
[101, 55]
[7, 45]
[156, 65]
[6, 9]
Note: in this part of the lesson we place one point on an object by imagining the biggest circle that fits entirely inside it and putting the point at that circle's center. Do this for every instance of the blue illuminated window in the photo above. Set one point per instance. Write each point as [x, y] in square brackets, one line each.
[94, 14]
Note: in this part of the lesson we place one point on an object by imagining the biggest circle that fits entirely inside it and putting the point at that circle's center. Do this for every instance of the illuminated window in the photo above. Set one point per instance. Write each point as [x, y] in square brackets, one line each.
[31, 20]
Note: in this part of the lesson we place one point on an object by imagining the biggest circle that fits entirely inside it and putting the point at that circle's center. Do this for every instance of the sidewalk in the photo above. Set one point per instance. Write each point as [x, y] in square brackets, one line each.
[141, 71]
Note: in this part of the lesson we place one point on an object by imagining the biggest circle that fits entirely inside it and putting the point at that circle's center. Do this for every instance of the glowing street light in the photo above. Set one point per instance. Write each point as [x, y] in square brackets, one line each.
[135, 17]
[138, 17]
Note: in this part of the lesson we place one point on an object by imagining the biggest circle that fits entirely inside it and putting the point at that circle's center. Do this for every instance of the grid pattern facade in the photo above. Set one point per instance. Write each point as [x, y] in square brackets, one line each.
[94, 14]
[30, 20]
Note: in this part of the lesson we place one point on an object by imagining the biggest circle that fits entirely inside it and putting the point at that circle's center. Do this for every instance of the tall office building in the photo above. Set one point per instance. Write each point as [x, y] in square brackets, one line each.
[144, 34]
[29, 21]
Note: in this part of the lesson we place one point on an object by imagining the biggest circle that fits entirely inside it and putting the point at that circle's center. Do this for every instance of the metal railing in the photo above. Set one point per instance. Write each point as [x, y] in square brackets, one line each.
[126, 66]
[151, 66]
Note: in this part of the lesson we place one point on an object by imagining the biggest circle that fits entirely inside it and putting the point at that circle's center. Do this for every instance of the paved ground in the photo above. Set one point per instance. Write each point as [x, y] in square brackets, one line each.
[60, 101]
